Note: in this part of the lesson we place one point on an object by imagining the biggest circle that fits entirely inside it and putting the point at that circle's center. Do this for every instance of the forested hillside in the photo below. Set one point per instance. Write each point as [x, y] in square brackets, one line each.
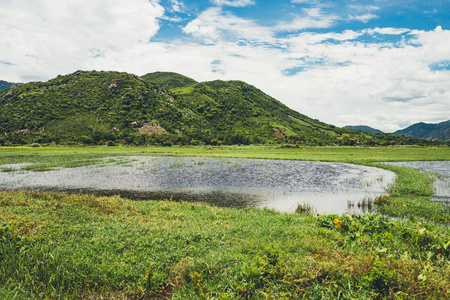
[363, 128]
[169, 79]
[160, 108]
[4, 85]
[440, 131]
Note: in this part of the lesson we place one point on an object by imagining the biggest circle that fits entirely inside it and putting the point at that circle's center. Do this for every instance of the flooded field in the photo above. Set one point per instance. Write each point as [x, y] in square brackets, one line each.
[278, 184]
[441, 171]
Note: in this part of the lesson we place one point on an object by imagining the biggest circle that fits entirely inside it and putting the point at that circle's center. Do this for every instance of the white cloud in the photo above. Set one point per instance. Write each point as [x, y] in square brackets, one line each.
[235, 3]
[304, 39]
[387, 31]
[368, 8]
[214, 24]
[433, 46]
[49, 37]
[177, 5]
[304, 1]
[311, 18]
[363, 18]
[384, 85]
[363, 13]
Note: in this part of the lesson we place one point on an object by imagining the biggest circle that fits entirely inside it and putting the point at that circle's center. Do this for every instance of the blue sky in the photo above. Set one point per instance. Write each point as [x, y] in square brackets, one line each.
[382, 63]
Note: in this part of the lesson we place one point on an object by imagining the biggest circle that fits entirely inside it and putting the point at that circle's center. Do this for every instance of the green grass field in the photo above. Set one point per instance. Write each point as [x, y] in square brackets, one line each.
[62, 155]
[62, 246]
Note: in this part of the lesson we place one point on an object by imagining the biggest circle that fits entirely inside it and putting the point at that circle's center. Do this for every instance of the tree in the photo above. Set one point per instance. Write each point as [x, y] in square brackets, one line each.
[346, 140]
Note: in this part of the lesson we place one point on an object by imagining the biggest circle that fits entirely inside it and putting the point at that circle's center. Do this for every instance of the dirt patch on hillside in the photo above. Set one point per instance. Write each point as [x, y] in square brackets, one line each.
[278, 134]
[152, 127]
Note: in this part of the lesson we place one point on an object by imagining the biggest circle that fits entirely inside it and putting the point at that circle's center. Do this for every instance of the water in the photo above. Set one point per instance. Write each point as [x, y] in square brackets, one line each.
[277, 184]
[442, 181]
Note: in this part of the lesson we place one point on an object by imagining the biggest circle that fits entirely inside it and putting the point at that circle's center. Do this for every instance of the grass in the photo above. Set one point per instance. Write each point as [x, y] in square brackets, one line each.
[361, 155]
[66, 161]
[177, 165]
[87, 247]
[7, 169]
[71, 246]
[410, 197]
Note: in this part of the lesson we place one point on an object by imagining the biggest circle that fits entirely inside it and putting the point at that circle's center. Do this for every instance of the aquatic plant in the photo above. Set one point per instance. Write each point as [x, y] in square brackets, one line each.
[366, 204]
[305, 208]
[8, 169]
[381, 200]
[177, 165]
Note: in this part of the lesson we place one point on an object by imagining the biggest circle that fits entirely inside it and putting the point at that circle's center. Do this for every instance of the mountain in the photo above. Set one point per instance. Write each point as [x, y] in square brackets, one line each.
[363, 128]
[160, 108]
[440, 131]
[4, 85]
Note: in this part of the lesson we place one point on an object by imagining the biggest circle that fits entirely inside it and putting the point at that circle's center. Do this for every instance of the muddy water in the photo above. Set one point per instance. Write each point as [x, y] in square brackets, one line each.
[442, 181]
[278, 184]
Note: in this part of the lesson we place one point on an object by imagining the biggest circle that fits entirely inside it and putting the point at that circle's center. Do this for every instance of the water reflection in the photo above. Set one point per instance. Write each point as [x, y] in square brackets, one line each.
[278, 184]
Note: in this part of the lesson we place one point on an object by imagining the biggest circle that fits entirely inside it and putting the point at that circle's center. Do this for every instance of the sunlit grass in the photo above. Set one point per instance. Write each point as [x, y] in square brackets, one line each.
[107, 247]
[337, 154]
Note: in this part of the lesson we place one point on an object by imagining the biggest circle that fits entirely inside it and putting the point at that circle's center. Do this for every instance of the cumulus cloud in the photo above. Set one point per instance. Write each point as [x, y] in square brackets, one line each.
[310, 18]
[387, 31]
[235, 3]
[214, 24]
[384, 85]
[305, 39]
[60, 34]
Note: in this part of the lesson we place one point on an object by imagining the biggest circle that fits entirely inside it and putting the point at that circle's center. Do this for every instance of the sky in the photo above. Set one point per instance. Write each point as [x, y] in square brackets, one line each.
[381, 63]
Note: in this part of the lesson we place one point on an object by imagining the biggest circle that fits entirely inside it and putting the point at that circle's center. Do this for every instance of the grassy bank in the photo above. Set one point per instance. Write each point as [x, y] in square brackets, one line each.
[80, 246]
[410, 197]
[61, 246]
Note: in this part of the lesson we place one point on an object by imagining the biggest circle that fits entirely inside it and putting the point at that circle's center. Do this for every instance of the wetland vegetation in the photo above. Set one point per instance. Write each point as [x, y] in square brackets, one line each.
[60, 246]
[277, 184]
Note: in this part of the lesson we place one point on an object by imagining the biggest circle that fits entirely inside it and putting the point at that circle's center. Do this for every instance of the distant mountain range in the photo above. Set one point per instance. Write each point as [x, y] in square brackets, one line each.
[434, 132]
[162, 108]
[440, 131]
[4, 85]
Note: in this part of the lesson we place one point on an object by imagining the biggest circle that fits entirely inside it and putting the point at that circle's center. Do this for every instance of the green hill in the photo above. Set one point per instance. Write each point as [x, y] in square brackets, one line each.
[363, 128]
[160, 108]
[440, 131]
[169, 79]
[4, 85]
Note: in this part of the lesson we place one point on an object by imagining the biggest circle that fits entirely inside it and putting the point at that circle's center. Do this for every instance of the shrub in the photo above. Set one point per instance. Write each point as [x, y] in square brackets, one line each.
[381, 279]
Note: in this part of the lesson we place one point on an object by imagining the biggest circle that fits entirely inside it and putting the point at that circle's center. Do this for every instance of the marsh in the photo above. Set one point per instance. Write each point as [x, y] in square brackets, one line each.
[277, 184]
